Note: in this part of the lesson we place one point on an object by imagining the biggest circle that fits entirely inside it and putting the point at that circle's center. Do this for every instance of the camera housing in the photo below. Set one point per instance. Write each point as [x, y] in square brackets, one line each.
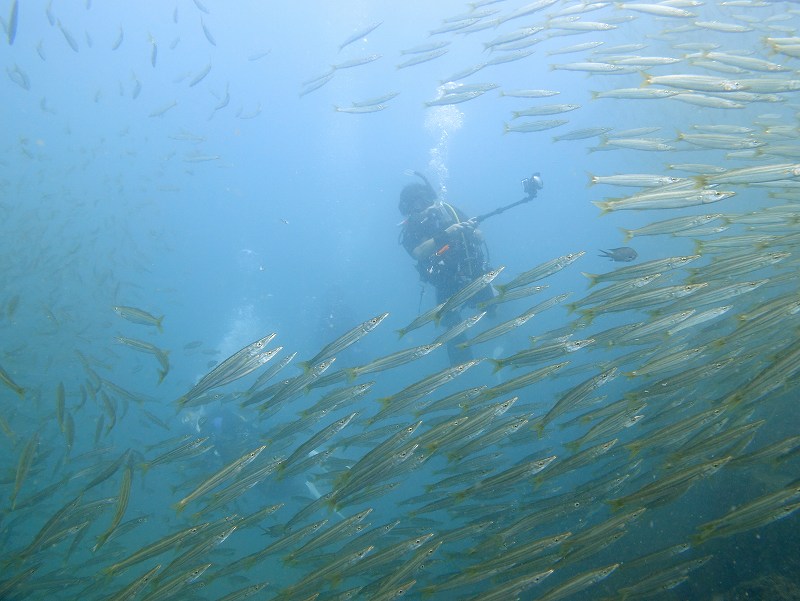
[531, 185]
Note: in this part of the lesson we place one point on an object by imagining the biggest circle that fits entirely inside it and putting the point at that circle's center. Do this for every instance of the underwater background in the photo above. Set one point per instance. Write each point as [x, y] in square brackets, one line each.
[181, 179]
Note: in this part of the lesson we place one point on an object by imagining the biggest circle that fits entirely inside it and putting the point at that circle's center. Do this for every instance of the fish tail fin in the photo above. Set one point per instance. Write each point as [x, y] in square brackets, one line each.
[647, 79]
[634, 448]
[615, 504]
[701, 181]
[401, 332]
[595, 94]
[305, 366]
[539, 428]
[331, 504]
[587, 316]
[702, 536]
[698, 247]
[158, 324]
[497, 365]
[592, 178]
[276, 531]
[515, 114]
[603, 205]
[593, 277]
[627, 233]
[501, 288]
[573, 446]
[506, 128]
[179, 507]
[162, 373]
[352, 373]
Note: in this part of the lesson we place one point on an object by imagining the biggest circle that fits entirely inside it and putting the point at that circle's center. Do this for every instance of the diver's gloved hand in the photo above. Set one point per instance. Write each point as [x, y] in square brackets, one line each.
[462, 227]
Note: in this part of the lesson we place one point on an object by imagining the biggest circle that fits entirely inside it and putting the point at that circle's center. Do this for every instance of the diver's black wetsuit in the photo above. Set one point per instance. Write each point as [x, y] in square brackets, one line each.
[452, 266]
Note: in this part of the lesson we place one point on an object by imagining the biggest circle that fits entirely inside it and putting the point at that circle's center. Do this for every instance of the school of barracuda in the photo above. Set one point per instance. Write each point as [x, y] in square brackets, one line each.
[527, 494]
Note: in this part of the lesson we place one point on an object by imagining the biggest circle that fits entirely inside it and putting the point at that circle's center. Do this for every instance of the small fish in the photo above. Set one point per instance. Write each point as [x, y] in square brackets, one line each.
[457, 329]
[207, 33]
[360, 34]
[540, 271]
[530, 126]
[317, 82]
[343, 342]
[152, 550]
[226, 473]
[153, 51]
[659, 10]
[393, 360]
[529, 93]
[455, 98]
[19, 77]
[139, 316]
[356, 62]
[200, 76]
[425, 48]
[24, 466]
[6, 379]
[467, 292]
[375, 101]
[547, 109]
[259, 55]
[360, 110]
[161, 111]
[118, 42]
[623, 254]
[68, 37]
[132, 590]
[316, 440]
[12, 23]
[416, 59]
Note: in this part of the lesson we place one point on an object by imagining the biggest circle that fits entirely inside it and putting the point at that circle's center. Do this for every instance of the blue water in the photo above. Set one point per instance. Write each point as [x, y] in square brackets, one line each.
[122, 184]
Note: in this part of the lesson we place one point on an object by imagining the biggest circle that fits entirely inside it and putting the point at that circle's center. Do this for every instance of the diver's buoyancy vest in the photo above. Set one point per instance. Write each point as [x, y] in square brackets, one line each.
[461, 258]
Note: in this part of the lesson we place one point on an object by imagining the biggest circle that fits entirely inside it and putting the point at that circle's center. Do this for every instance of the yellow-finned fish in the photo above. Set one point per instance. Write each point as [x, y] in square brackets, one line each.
[227, 472]
[6, 379]
[139, 316]
[343, 342]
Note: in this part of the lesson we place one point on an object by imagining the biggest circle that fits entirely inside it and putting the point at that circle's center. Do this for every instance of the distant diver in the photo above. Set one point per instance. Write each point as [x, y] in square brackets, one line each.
[448, 248]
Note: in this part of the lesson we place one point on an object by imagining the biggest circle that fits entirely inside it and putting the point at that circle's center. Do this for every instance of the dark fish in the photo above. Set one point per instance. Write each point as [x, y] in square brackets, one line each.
[624, 253]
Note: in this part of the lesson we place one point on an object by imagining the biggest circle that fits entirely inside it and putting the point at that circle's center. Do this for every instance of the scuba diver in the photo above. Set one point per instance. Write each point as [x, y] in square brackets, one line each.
[448, 248]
